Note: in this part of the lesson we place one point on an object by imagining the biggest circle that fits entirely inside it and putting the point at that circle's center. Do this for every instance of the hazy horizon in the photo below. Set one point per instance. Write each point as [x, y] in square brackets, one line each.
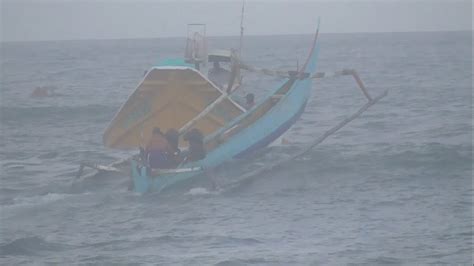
[50, 20]
[235, 36]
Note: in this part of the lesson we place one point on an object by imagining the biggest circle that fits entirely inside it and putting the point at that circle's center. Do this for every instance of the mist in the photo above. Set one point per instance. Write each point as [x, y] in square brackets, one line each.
[65, 20]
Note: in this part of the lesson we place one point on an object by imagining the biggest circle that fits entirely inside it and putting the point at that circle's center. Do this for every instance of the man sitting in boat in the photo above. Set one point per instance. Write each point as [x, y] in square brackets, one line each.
[246, 102]
[196, 150]
[158, 151]
[249, 101]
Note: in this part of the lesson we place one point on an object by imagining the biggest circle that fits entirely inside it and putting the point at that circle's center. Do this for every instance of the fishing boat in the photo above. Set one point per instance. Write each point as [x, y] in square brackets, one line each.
[177, 94]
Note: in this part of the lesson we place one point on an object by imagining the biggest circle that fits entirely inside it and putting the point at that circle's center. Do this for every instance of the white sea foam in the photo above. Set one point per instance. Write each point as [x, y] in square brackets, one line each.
[198, 191]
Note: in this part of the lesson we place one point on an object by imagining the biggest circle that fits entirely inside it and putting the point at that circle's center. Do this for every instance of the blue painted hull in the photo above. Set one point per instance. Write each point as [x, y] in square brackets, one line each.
[256, 136]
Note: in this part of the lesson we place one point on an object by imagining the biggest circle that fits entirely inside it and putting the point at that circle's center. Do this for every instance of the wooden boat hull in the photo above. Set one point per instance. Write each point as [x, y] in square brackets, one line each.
[257, 136]
[268, 127]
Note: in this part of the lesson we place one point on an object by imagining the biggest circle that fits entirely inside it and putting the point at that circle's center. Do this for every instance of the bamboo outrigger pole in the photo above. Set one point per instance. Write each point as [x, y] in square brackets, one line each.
[346, 72]
[371, 101]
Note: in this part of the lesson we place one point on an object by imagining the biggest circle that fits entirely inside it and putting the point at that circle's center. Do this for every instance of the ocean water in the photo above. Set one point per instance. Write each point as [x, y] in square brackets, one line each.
[392, 187]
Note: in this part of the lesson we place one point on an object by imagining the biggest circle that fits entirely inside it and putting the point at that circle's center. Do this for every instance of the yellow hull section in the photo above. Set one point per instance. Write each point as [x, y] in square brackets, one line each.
[168, 97]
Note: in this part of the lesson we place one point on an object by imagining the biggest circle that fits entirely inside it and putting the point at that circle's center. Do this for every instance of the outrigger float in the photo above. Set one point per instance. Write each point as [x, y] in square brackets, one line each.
[178, 94]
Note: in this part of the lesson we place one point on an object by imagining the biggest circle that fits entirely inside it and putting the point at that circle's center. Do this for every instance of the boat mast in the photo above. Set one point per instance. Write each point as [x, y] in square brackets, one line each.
[241, 29]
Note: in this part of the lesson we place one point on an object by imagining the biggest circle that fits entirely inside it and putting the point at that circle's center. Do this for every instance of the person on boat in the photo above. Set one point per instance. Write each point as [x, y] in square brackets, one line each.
[249, 101]
[196, 150]
[172, 136]
[246, 102]
[158, 151]
[40, 92]
[218, 75]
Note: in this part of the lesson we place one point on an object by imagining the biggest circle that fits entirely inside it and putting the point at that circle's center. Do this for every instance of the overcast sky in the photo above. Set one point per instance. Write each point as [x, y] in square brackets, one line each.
[27, 20]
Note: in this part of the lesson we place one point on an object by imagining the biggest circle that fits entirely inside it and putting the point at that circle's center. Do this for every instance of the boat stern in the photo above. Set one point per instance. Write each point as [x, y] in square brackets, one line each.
[141, 183]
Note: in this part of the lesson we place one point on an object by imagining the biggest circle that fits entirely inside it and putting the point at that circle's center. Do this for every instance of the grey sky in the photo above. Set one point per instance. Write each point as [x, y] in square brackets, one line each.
[105, 19]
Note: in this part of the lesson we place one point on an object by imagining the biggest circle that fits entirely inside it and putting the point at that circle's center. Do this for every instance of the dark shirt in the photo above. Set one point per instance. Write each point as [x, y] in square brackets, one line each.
[196, 151]
[158, 152]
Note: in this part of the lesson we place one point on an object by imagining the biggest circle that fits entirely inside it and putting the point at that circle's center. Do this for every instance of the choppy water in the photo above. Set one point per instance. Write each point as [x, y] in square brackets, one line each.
[393, 187]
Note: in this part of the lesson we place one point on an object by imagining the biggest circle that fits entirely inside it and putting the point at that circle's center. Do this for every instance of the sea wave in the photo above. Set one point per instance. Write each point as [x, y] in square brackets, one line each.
[339, 159]
[36, 200]
[28, 246]
[242, 262]
[56, 114]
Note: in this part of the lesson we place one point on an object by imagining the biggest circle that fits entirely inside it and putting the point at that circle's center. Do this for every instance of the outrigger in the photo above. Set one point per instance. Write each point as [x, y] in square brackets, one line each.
[177, 94]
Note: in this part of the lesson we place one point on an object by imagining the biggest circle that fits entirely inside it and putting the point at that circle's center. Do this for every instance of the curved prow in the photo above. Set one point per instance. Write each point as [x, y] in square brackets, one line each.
[310, 64]
[305, 72]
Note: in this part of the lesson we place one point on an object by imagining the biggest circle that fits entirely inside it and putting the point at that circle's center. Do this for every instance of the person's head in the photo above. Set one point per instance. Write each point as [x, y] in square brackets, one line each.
[250, 98]
[172, 136]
